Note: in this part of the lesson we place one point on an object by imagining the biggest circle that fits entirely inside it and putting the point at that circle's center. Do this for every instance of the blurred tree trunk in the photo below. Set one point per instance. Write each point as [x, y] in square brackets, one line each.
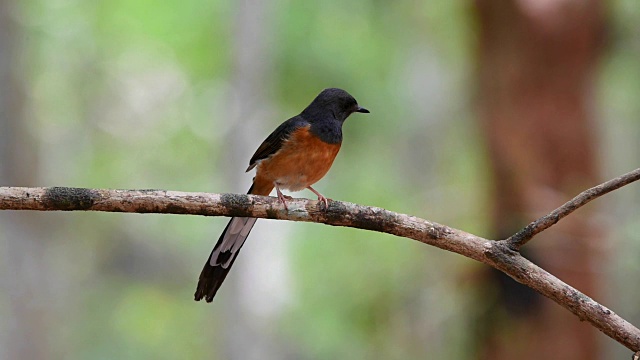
[24, 273]
[248, 322]
[537, 63]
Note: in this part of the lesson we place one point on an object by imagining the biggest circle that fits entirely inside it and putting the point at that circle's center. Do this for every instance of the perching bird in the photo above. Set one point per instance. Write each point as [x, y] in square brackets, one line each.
[295, 156]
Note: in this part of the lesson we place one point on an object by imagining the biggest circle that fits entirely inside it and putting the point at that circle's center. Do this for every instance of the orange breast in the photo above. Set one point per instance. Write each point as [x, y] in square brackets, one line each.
[303, 160]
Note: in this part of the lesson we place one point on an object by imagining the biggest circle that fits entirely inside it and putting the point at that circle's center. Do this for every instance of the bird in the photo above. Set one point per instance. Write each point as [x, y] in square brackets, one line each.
[294, 156]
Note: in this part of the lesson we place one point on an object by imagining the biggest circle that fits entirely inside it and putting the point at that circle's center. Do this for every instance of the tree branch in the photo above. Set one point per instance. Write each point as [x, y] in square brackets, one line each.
[498, 254]
[523, 236]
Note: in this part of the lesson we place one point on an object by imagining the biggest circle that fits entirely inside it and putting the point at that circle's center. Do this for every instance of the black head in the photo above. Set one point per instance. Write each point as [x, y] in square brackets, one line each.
[333, 102]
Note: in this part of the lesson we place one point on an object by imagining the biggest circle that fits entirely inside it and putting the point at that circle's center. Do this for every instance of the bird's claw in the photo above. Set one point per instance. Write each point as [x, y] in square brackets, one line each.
[325, 201]
[283, 198]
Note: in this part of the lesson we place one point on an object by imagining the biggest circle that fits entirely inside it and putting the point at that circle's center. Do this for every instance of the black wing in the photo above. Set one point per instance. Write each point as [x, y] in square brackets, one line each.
[274, 141]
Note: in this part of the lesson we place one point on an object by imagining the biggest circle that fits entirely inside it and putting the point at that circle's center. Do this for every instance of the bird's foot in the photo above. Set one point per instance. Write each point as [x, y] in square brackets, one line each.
[321, 198]
[325, 201]
[283, 198]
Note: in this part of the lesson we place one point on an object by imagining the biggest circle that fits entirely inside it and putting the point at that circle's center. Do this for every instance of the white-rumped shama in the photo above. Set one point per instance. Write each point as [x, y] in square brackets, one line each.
[295, 156]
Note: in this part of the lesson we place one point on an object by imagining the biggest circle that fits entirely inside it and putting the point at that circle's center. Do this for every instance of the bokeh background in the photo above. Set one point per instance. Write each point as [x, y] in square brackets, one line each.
[484, 115]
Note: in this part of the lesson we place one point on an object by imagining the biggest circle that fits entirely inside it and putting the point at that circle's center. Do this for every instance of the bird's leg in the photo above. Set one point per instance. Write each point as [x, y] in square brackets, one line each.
[282, 197]
[321, 197]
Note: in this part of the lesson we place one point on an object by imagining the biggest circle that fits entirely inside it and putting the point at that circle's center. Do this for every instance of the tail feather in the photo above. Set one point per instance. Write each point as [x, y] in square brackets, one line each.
[224, 254]
[220, 262]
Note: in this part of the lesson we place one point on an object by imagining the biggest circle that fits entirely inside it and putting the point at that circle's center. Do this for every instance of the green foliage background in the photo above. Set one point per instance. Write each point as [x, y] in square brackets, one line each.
[135, 94]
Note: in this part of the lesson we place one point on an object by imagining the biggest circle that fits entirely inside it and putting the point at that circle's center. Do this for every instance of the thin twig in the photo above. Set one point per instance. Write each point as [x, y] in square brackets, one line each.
[516, 241]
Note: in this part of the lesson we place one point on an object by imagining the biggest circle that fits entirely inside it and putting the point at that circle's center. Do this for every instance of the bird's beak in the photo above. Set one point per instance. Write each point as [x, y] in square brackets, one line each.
[360, 109]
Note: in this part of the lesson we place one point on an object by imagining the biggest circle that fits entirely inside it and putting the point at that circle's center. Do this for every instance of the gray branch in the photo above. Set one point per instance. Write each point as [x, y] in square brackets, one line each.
[501, 254]
[523, 236]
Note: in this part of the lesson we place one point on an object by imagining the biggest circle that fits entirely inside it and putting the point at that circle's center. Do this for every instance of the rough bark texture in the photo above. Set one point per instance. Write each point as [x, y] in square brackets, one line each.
[497, 254]
[537, 62]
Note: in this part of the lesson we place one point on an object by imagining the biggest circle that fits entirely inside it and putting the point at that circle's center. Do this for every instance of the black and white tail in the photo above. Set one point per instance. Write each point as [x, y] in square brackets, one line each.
[223, 256]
